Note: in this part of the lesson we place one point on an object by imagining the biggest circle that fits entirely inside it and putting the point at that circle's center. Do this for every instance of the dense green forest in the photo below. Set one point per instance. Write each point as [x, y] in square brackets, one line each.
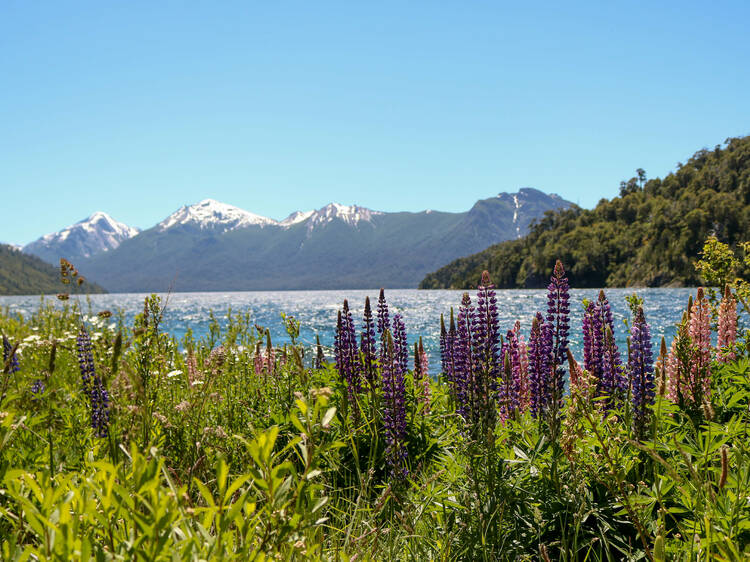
[22, 274]
[650, 235]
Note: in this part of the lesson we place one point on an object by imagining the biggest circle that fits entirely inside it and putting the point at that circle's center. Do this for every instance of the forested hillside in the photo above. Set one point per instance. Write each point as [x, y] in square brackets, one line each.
[22, 274]
[648, 236]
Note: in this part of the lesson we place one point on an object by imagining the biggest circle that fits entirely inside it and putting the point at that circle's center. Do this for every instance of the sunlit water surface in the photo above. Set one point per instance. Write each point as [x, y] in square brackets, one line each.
[421, 310]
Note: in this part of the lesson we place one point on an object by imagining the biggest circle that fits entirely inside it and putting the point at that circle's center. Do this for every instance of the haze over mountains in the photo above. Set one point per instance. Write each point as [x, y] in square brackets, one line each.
[214, 246]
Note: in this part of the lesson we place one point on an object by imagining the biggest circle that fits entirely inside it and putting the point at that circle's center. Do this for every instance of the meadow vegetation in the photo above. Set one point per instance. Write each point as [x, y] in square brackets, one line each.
[118, 442]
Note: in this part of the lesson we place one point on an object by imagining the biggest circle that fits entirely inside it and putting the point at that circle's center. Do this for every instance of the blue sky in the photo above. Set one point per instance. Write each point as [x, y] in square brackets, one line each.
[137, 108]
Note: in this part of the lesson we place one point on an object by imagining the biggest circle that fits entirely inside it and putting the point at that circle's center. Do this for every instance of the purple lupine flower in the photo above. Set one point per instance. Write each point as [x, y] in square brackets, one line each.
[100, 408]
[486, 349]
[367, 346]
[612, 377]
[641, 370]
[447, 353]
[10, 358]
[444, 348]
[85, 360]
[394, 410]
[601, 355]
[591, 333]
[37, 387]
[93, 386]
[510, 388]
[347, 353]
[463, 359]
[400, 345]
[384, 322]
[558, 316]
[540, 355]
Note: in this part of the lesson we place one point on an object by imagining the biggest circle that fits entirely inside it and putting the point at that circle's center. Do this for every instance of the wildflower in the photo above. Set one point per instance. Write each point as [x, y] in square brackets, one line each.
[421, 376]
[641, 370]
[600, 353]
[93, 386]
[700, 336]
[37, 388]
[447, 353]
[394, 410]
[367, 346]
[463, 360]
[346, 352]
[400, 346]
[558, 316]
[510, 389]
[384, 323]
[540, 355]
[727, 327]
[523, 365]
[486, 351]
[10, 359]
[85, 359]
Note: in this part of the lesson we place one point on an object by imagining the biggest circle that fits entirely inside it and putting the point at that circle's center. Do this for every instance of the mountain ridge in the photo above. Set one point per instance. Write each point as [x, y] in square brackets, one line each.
[335, 246]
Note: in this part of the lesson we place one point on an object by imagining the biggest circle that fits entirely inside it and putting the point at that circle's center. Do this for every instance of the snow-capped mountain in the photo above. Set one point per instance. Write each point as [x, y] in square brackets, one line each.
[211, 246]
[214, 215]
[350, 214]
[89, 237]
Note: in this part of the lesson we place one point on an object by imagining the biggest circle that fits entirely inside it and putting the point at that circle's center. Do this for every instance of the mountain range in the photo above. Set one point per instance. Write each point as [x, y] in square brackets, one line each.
[214, 246]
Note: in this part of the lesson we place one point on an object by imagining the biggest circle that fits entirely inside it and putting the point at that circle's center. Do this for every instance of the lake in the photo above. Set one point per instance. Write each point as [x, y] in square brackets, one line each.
[421, 309]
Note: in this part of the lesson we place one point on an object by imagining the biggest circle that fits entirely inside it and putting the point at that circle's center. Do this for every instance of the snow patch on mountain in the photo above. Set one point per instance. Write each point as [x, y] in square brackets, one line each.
[296, 217]
[213, 214]
[97, 233]
[350, 214]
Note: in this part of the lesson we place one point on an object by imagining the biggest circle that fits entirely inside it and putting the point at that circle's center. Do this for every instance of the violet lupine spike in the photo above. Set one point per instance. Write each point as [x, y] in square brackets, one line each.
[384, 322]
[99, 408]
[641, 371]
[443, 345]
[540, 351]
[514, 388]
[347, 353]
[10, 357]
[401, 346]
[486, 349]
[447, 355]
[727, 327]
[590, 335]
[524, 388]
[394, 410]
[368, 344]
[85, 360]
[463, 359]
[93, 386]
[558, 316]
[612, 378]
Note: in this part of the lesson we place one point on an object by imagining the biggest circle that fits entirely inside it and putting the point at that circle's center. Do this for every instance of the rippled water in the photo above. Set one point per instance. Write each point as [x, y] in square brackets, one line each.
[316, 310]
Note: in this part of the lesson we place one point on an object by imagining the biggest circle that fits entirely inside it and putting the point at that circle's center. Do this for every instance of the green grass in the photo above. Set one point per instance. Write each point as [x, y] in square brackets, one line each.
[208, 460]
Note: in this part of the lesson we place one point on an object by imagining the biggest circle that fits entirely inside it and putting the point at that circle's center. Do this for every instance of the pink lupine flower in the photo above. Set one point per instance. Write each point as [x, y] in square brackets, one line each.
[727, 327]
[700, 336]
[422, 376]
[524, 396]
